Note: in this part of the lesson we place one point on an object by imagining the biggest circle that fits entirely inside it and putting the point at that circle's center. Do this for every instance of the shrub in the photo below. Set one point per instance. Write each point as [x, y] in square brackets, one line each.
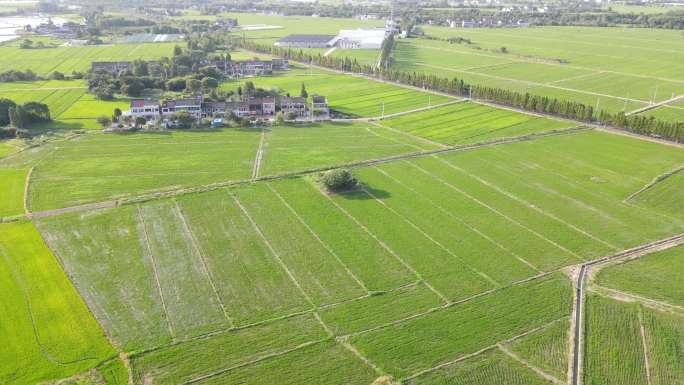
[338, 180]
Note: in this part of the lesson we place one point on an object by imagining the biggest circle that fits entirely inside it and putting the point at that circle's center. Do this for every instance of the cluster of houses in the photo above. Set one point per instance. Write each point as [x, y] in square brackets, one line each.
[66, 30]
[293, 108]
[231, 68]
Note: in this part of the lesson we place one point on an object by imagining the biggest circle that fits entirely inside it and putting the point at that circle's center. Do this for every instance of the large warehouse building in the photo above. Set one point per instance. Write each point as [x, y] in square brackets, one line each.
[307, 41]
[361, 38]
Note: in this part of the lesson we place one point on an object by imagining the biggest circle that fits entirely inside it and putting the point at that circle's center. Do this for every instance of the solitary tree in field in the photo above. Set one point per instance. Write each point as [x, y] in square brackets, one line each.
[338, 180]
[303, 92]
[104, 121]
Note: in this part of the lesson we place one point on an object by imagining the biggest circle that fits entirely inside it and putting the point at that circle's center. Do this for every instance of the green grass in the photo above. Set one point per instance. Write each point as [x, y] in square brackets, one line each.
[665, 336]
[195, 358]
[68, 59]
[114, 373]
[106, 166]
[321, 276]
[6, 149]
[491, 367]
[546, 349]
[326, 362]
[613, 347]
[302, 147]
[665, 196]
[470, 123]
[235, 255]
[365, 257]
[12, 191]
[599, 67]
[46, 329]
[379, 309]
[104, 254]
[437, 338]
[350, 95]
[656, 276]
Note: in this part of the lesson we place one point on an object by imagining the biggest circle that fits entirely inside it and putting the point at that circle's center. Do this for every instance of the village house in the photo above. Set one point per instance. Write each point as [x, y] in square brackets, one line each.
[293, 105]
[264, 107]
[143, 108]
[319, 105]
[192, 104]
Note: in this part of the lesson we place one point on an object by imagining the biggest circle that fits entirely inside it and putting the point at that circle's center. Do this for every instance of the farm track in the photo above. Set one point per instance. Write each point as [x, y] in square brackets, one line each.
[605, 128]
[535, 369]
[259, 155]
[364, 163]
[655, 181]
[655, 105]
[638, 251]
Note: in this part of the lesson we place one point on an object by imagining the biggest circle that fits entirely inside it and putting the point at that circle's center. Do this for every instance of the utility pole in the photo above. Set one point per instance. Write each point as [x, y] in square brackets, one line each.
[382, 115]
[655, 95]
[429, 100]
[597, 104]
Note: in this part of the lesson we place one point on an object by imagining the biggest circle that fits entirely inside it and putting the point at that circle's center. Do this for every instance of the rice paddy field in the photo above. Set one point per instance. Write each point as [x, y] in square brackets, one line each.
[471, 123]
[216, 256]
[69, 59]
[351, 96]
[70, 106]
[655, 276]
[595, 66]
[416, 275]
[45, 321]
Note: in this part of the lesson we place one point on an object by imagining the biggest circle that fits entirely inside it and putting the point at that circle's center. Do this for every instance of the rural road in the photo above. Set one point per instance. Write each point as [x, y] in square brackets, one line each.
[647, 248]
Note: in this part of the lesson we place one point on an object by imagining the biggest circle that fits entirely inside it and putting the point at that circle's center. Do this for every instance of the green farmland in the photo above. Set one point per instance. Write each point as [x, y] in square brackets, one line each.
[69, 59]
[594, 66]
[469, 243]
[45, 322]
[471, 123]
[352, 96]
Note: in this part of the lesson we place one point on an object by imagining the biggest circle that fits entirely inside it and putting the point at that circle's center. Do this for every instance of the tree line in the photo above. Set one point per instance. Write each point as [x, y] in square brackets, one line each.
[16, 118]
[639, 124]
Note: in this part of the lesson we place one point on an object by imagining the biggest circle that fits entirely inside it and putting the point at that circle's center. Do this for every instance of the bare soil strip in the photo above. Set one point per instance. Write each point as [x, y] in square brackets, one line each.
[651, 247]
[27, 183]
[200, 255]
[655, 105]
[535, 369]
[141, 218]
[655, 181]
[320, 241]
[259, 154]
[629, 297]
[363, 358]
[419, 138]
[644, 342]
[426, 235]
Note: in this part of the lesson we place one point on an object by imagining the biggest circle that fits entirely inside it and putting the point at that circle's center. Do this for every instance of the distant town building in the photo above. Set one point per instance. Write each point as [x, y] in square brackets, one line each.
[306, 41]
[361, 38]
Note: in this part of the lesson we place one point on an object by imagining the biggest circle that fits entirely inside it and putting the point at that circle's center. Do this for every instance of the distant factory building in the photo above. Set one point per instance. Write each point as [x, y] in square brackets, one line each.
[361, 38]
[306, 41]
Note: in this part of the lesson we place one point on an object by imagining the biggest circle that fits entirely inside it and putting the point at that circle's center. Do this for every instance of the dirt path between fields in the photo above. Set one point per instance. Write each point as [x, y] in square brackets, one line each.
[358, 164]
[535, 369]
[259, 155]
[655, 181]
[635, 252]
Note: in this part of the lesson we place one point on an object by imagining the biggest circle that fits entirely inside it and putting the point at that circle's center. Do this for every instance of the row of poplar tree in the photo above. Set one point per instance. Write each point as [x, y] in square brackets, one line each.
[639, 124]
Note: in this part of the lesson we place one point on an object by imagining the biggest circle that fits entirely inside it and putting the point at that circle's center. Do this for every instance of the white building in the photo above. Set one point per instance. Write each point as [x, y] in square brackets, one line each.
[361, 38]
